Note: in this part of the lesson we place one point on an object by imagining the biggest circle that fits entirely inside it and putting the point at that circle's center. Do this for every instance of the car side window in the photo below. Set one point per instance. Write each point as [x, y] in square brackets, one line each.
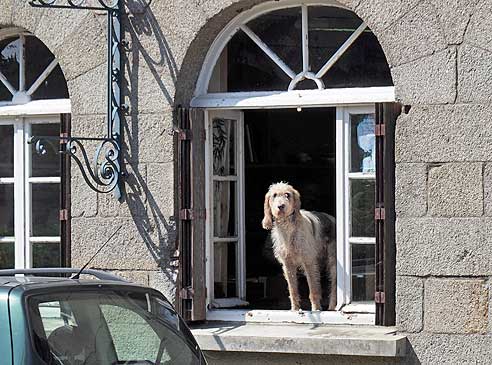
[54, 315]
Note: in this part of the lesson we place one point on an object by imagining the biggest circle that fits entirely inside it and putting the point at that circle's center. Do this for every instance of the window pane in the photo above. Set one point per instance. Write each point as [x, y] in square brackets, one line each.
[225, 270]
[6, 210]
[49, 164]
[7, 155]
[363, 272]
[46, 254]
[45, 209]
[9, 60]
[225, 224]
[38, 57]
[362, 206]
[281, 32]
[363, 147]
[224, 146]
[7, 258]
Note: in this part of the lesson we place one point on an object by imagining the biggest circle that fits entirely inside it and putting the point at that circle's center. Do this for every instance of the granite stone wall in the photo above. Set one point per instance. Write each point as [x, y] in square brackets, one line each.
[440, 55]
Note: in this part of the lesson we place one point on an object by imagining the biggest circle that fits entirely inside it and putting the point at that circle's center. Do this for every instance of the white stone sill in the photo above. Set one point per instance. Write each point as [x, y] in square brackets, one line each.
[300, 339]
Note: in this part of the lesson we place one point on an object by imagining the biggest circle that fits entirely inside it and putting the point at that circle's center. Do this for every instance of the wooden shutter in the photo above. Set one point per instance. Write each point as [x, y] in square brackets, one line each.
[191, 206]
[386, 115]
[65, 191]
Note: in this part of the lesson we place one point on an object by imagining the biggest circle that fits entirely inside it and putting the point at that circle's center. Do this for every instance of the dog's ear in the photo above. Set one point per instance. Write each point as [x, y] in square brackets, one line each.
[267, 221]
[297, 200]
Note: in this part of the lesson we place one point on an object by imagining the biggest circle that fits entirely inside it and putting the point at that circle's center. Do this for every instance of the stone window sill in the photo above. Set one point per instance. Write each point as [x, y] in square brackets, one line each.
[300, 339]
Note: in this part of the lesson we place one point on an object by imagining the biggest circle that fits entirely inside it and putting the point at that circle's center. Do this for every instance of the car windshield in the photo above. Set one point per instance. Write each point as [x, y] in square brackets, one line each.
[109, 327]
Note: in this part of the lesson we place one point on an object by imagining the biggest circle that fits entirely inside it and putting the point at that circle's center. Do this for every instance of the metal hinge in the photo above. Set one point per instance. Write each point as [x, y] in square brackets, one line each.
[379, 214]
[379, 297]
[64, 214]
[379, 130]
[186, 293]
[174, 259]
[185, 135]
[190, 214]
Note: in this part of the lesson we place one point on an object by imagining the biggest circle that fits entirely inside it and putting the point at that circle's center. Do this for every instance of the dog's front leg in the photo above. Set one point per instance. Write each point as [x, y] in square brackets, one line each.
[312, 276]
[290, 274]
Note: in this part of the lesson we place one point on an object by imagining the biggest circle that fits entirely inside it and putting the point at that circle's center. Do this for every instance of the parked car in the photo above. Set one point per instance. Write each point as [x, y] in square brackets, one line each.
[53, 317]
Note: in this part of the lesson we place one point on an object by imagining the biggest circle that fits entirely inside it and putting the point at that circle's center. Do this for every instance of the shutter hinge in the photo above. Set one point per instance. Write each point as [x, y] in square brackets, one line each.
[186, 293]
[63, 214]
[190, 214]
[174, 259]
[379, 297]
[379, 214]
[379, 130]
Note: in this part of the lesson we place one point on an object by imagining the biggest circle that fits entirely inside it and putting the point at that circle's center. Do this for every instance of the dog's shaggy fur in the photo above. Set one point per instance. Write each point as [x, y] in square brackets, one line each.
[301, 240]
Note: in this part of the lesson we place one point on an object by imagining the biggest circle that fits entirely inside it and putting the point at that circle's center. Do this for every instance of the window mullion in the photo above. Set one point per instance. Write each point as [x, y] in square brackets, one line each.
[305, 39]
[19, 208]
[22, 64]
[27, 195]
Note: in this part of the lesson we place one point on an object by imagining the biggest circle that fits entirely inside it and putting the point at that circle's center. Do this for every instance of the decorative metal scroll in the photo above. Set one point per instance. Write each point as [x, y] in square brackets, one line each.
[103, 175]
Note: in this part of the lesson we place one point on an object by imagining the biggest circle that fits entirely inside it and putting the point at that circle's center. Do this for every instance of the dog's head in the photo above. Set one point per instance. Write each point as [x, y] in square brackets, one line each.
[281, 201]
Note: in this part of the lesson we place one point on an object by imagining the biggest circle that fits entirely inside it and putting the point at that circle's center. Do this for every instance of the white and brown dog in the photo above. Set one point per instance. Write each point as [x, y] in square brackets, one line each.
[301, 240]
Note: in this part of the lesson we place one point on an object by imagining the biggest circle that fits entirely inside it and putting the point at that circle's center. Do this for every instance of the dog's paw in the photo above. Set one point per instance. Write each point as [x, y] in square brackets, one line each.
[267, 224]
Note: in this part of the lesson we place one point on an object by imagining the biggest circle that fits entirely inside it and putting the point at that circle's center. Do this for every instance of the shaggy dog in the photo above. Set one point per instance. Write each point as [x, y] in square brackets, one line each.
[301, 240]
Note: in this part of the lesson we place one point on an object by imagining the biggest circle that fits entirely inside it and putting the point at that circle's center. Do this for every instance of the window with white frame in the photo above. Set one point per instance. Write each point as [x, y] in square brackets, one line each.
[30, 190]
[290, 97]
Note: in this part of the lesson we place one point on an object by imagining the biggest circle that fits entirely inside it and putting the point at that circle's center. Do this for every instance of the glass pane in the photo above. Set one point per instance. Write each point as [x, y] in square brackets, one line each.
[7, 210]
[38, 57]
[45, 209]
[363, 272]
[225, 270]
[281, 32]
[46, 165]
[225, 224]
[362, 206]
[224, 146]
[250, 69]
[7, 155]
[46, 254]
[9, 61]
[7, 258]
[363, 143]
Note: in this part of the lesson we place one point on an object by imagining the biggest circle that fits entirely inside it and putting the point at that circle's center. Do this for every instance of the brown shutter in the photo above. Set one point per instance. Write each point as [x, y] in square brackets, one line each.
[191, 205]
[386, 115]
[65, 214]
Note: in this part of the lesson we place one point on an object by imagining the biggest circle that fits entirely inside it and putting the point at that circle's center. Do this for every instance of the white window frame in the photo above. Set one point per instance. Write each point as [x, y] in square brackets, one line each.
[21, 181]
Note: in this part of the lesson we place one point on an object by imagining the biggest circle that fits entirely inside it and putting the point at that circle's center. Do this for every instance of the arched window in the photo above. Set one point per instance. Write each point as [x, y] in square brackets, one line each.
[290, 93]
[33, 94]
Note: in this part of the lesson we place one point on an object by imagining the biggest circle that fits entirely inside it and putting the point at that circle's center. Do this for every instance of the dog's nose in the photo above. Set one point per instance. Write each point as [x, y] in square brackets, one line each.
[281, 207]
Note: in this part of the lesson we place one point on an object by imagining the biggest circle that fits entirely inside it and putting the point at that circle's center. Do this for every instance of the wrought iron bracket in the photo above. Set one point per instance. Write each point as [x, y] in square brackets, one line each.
[105, 174]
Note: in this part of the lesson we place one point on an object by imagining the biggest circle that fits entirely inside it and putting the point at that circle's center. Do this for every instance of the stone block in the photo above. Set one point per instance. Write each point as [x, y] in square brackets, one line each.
[88, 92]
[479, 31]
[380, 14]
[433, 349]
[451, 133]
[161, 192]
[6, 13]
[26, 16]
[456, 190]
[456, 306]
[134, 276]
[55, 25]
[148, 137]
[134, 202]
[443, 246]
[83, 198]
[405, 40]
[129, 249]
[409, 303]
[84, 48]
[165, 281]
[427, 80]
[474, 75]
[454, 16]
[487, 189]
[411, 190]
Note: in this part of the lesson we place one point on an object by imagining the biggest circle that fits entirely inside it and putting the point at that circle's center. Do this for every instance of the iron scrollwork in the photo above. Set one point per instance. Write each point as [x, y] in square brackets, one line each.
[104, 174]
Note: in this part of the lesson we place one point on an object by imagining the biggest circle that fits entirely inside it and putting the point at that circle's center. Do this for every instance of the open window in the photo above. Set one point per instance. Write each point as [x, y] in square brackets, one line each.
[292, 96]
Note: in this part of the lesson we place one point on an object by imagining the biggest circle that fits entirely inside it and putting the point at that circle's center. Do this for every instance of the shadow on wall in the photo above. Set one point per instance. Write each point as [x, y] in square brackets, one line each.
[157, 231]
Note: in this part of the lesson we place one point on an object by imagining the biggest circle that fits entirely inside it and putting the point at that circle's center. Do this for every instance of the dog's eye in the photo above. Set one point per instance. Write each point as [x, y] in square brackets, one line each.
[275, 195]
[287, 195]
